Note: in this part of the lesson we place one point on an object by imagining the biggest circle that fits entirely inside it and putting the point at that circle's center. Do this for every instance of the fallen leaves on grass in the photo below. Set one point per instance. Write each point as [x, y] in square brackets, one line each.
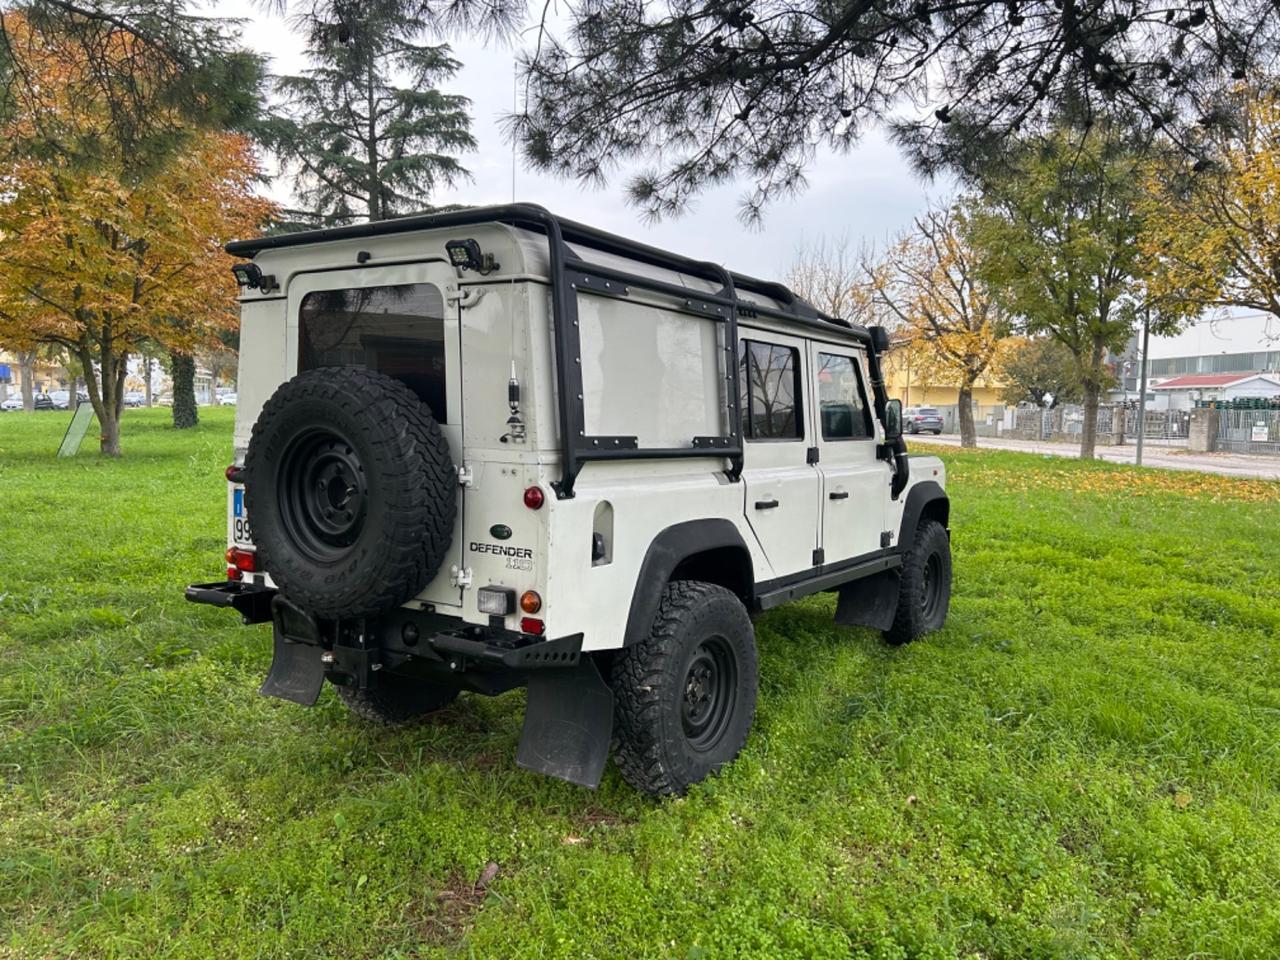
[1111, 481]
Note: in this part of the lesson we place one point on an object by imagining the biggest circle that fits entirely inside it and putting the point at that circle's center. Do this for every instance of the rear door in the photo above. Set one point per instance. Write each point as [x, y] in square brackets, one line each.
[395, 320]
[780, 484]
[855, 484]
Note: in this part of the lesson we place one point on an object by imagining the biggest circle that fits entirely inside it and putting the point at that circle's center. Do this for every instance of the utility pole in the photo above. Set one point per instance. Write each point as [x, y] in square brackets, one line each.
[1142, 383]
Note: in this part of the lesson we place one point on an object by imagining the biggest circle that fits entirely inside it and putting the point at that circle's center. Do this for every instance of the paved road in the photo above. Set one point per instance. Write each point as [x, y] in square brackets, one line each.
[1153, 455]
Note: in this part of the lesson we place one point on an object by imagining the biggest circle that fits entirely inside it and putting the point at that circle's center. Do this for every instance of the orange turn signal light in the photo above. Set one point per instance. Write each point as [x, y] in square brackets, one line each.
[530, 602]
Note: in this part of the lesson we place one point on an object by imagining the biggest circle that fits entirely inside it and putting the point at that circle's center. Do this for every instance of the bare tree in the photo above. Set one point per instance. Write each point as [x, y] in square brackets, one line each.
[832, 276]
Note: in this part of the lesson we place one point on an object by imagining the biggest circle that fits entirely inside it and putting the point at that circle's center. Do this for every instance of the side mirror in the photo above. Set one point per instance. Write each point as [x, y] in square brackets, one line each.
[892, 420]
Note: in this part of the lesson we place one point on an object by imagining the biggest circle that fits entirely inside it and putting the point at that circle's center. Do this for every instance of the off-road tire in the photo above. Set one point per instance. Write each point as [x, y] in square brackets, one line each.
[658, 681]
[361, 431]
[925, 585]
[396, 700]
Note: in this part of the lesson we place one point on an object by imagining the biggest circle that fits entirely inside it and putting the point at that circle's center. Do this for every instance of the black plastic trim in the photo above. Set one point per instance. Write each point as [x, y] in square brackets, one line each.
[784, 589]
[923, 493]
[669, 549]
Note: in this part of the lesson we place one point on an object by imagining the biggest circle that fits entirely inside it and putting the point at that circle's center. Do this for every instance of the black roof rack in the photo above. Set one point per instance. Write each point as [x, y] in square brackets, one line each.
[535, 217]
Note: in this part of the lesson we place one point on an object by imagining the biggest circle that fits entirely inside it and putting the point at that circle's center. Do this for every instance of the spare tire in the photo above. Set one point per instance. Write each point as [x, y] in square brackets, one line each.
[351, 490]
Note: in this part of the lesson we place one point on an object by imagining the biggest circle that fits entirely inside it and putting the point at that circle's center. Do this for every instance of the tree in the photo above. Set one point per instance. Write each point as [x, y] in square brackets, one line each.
[830, 276]
[97, 263]
[362, 146]
[1059, 235]
[930, 281]
[1040, 371]
[182, 367]
[193, 65]
[1214, 225]
[713, 90]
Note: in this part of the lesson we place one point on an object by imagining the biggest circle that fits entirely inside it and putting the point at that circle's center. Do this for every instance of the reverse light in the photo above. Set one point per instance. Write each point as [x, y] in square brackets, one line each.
[532, 625]
[495, 601]
[534, 497]
[243, 560]
[530, 602]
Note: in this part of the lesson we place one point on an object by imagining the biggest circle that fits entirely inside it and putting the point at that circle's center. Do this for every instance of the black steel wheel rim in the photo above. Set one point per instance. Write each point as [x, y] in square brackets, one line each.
[932, 592]
[323, 493]
[710, 689]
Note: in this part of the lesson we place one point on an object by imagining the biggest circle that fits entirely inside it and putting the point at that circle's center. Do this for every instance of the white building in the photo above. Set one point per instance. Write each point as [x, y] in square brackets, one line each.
[1221, 356]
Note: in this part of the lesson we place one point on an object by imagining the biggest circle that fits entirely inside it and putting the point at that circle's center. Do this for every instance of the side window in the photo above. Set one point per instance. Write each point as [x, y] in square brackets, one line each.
[842, 401]
[770, 377]
[397, 330]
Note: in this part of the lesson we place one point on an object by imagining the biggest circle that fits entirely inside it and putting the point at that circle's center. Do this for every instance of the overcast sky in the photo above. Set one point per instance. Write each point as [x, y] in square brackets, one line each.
[868, 194]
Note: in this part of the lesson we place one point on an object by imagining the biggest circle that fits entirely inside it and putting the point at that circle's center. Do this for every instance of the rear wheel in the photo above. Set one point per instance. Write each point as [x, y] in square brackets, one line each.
[397, 700]
[924, 592]
[685, 695]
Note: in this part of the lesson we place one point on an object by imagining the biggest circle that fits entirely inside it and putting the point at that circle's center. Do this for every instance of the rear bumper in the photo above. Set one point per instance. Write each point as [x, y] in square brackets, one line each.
[252, 601]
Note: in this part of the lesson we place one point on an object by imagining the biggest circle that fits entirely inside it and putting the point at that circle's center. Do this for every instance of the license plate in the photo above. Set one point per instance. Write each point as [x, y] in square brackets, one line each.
[240, 531]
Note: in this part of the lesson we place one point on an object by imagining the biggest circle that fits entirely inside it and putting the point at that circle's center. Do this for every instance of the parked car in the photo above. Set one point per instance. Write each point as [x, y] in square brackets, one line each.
[227, 400]
[630, 469]
[42, 402]
[134, 399]
[62, 399]
[922, 419]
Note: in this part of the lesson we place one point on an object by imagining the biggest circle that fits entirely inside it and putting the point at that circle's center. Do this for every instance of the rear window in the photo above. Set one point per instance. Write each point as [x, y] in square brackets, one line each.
[396, 329]
[928, 411]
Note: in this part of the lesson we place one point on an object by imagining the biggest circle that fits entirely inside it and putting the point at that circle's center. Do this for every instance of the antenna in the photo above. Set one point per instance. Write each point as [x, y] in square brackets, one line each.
[515, 108]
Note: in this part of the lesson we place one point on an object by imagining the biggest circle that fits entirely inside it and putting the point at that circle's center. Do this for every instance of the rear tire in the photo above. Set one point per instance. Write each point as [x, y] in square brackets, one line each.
[924, 592]
[685, 695]
[397, 700]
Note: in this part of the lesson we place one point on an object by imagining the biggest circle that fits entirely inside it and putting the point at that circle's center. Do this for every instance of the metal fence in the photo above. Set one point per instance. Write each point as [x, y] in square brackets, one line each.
[1249, 431]
[1166, 427]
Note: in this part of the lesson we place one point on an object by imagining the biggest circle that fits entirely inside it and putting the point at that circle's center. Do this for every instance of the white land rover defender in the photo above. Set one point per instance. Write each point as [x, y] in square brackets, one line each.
[493, 448]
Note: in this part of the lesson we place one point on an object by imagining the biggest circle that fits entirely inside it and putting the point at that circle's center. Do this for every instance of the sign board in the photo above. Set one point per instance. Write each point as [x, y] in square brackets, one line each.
[76, 430]
[1259, 432]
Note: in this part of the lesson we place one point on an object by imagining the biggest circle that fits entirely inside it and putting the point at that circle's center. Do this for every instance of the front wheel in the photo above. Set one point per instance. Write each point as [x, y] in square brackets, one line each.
[685, 695]
[924, 591]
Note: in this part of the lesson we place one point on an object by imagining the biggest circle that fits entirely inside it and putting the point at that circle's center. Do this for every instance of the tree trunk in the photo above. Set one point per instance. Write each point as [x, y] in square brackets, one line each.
[27, 374]
[968, 433]
[185, 413]
[146, 373]
[107, 396]
[1092, 382]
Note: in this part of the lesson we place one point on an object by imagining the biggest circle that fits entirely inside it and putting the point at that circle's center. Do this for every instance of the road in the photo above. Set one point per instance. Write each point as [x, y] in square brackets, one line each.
[1153, 455]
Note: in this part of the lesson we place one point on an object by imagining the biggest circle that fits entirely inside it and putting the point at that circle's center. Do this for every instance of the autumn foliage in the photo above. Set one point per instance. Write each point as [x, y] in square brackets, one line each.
[96, 261]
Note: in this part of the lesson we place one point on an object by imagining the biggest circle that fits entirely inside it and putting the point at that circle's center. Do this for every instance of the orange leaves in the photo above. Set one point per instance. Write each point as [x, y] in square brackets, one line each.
[98, 259]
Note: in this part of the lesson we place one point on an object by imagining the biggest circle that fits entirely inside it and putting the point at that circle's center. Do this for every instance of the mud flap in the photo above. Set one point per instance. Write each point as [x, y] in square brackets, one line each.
[297, 672]
[568, 724]
[869, 602]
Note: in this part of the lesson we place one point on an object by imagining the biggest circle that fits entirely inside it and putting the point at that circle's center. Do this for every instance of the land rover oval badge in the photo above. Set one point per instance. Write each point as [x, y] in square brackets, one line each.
[500, 531]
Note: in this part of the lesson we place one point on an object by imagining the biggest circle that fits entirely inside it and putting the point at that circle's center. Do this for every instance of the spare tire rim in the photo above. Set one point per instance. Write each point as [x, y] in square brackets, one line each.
[931, 595]
[323, 493]
[710, 686]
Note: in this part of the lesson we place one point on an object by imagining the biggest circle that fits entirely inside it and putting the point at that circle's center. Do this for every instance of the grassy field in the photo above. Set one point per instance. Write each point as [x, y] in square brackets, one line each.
[1084, 763]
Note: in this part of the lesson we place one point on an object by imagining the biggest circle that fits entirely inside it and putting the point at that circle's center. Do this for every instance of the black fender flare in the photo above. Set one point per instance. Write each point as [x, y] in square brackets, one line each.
[920, 496]
[671, 547]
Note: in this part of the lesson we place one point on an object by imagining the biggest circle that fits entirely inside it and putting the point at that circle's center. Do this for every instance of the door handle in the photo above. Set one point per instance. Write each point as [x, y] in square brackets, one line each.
[838, 495]
[766, 504]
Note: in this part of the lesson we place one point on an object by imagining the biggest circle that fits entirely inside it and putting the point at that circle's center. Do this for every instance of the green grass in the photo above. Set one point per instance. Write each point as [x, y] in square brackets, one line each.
[1084, 763]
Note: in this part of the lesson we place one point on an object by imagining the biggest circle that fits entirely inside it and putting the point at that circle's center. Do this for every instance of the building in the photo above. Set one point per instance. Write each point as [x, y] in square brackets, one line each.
[1182, 393]
[1220, 356]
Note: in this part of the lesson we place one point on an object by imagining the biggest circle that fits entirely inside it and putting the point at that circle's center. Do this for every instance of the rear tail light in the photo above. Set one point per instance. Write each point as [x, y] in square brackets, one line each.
[243, 560]
[234, 474]
[234, 574]
[532, 625]
[534, 497]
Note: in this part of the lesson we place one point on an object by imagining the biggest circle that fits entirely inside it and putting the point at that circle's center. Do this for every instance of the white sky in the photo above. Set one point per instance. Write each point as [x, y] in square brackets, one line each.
[868, 194]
